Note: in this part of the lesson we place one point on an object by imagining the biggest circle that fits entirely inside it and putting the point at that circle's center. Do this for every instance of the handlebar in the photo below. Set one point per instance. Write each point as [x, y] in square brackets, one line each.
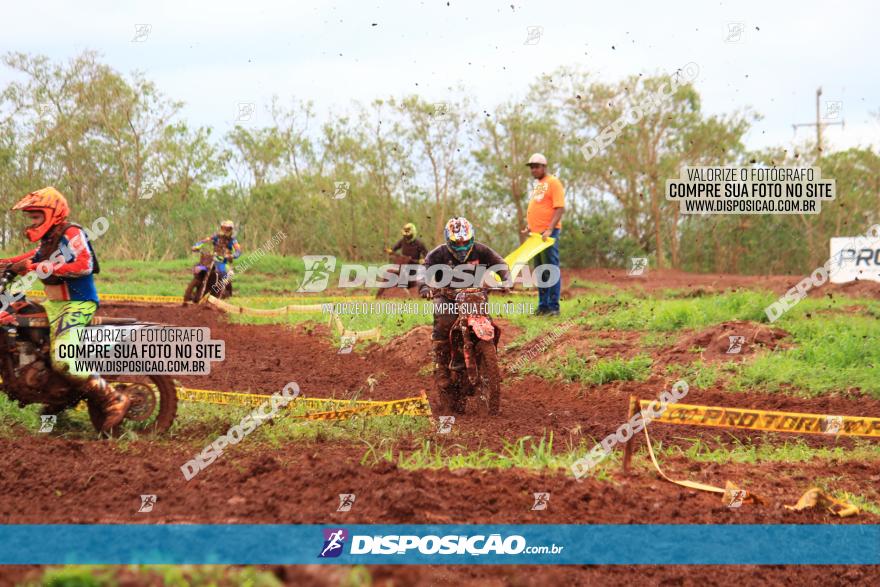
[455, 290]
[217, 258]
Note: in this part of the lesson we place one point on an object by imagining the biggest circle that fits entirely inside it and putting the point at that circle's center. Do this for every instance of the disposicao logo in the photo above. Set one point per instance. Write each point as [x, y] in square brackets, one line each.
[334, 540]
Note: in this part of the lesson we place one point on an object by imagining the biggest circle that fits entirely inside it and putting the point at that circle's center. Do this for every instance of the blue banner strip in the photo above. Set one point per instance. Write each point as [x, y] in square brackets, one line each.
[568, 544]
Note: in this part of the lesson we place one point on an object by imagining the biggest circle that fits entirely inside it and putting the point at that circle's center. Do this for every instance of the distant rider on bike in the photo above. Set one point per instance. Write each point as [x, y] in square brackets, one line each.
[459, 249]
[72, 298]
[409, 246]
[411, 249]
[226, 249]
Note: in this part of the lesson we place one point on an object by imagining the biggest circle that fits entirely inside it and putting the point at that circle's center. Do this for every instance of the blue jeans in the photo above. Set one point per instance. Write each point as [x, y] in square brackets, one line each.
[548, 297]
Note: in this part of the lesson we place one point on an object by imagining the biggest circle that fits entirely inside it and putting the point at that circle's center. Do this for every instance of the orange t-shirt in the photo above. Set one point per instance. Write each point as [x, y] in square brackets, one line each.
[546, 195]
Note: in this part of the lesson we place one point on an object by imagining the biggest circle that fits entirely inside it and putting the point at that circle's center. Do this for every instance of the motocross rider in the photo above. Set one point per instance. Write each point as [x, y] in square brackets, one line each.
[410, 247]
[460, 248]
[226, 247]
[72, 299]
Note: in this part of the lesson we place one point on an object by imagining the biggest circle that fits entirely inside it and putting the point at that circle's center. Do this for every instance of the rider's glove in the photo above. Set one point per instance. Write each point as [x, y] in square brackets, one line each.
[389, 251]
[23, 267]
[195, 249]
[426, 292]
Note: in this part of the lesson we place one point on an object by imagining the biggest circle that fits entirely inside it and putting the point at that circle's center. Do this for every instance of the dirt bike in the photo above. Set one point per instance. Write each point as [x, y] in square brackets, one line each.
[473, 341]
[207, 279]
[29, 379]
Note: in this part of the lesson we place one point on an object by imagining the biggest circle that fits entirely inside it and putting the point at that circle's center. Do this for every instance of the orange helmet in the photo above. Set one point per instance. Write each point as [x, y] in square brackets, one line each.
[51, 203]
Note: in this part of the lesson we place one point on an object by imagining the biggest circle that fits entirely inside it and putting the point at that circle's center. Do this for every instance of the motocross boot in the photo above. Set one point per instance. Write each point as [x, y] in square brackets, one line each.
[441, 365]
[112, 404]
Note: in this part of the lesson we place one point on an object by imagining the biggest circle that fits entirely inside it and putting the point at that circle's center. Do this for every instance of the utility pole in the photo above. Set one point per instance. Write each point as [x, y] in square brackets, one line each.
[818, 124]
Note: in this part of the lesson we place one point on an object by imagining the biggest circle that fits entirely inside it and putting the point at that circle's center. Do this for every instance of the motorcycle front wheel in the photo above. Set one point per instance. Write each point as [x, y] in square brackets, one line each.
[194, 289]
[153, 404]
[488, 397]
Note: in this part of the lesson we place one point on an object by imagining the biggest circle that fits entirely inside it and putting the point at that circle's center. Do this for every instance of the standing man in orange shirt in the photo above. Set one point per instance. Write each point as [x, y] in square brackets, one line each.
[546, 205]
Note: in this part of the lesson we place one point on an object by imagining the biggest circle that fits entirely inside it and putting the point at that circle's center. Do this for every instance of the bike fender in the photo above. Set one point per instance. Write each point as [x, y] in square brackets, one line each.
[482, 327]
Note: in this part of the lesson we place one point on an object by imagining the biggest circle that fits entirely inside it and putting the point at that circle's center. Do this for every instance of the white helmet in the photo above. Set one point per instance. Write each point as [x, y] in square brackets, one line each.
[537, 158]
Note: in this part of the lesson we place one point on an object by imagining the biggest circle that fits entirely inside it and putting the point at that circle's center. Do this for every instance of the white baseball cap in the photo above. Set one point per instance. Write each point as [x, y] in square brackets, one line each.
[537, 158]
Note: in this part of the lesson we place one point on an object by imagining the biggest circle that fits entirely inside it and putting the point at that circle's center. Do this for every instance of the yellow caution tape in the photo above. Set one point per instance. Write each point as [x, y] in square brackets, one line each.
[178, 299]
[726, 492]
[233, 309]
[325, 299]
[683, 483]
[416, 406]
[815, 498]
[812, 498]
[342, 408]
[766, 420]
[121, 297]
[372, 333]
[335, 321]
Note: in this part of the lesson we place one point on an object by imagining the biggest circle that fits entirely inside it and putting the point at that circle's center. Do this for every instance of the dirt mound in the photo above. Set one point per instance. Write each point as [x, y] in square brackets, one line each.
[555, 344]
[660, 279]
[412, 349]
[264, 358]
[728, 341]
[853, 289]
[397, 293]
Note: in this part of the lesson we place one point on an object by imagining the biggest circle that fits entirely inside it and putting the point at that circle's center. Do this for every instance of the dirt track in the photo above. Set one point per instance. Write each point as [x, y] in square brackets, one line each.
[290, 485]
[711, 283]
[496, 576]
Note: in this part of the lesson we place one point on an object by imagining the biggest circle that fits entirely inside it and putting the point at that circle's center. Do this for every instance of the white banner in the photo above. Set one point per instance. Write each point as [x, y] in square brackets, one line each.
[855, 258]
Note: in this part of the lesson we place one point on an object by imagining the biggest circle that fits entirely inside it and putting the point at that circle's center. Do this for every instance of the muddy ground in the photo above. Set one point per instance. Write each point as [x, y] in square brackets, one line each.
[498, 576]
[655, 280]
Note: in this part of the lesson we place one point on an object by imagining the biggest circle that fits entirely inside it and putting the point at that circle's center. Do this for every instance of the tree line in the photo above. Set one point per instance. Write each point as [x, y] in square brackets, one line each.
[344, 183]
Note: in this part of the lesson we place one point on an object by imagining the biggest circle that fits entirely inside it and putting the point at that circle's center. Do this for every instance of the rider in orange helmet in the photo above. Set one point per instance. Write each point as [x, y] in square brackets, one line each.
[66, 258]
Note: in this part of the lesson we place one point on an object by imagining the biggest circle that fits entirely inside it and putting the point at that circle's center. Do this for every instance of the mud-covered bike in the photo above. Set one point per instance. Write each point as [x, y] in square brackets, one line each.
[28, 377]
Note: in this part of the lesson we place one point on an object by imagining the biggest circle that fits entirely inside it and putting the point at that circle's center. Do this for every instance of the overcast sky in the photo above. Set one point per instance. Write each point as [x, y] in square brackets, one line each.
[214, 55]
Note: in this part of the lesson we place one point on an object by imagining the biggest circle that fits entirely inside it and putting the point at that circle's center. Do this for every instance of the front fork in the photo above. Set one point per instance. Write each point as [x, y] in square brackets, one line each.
[470, 358]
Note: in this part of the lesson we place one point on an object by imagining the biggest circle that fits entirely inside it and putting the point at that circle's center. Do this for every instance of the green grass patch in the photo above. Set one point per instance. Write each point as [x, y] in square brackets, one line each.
[169, 575]
[830, 354]
[200, 424]
[716, 450]
[533, 454]
[629, 312]
[697, 374]
[576, 368]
